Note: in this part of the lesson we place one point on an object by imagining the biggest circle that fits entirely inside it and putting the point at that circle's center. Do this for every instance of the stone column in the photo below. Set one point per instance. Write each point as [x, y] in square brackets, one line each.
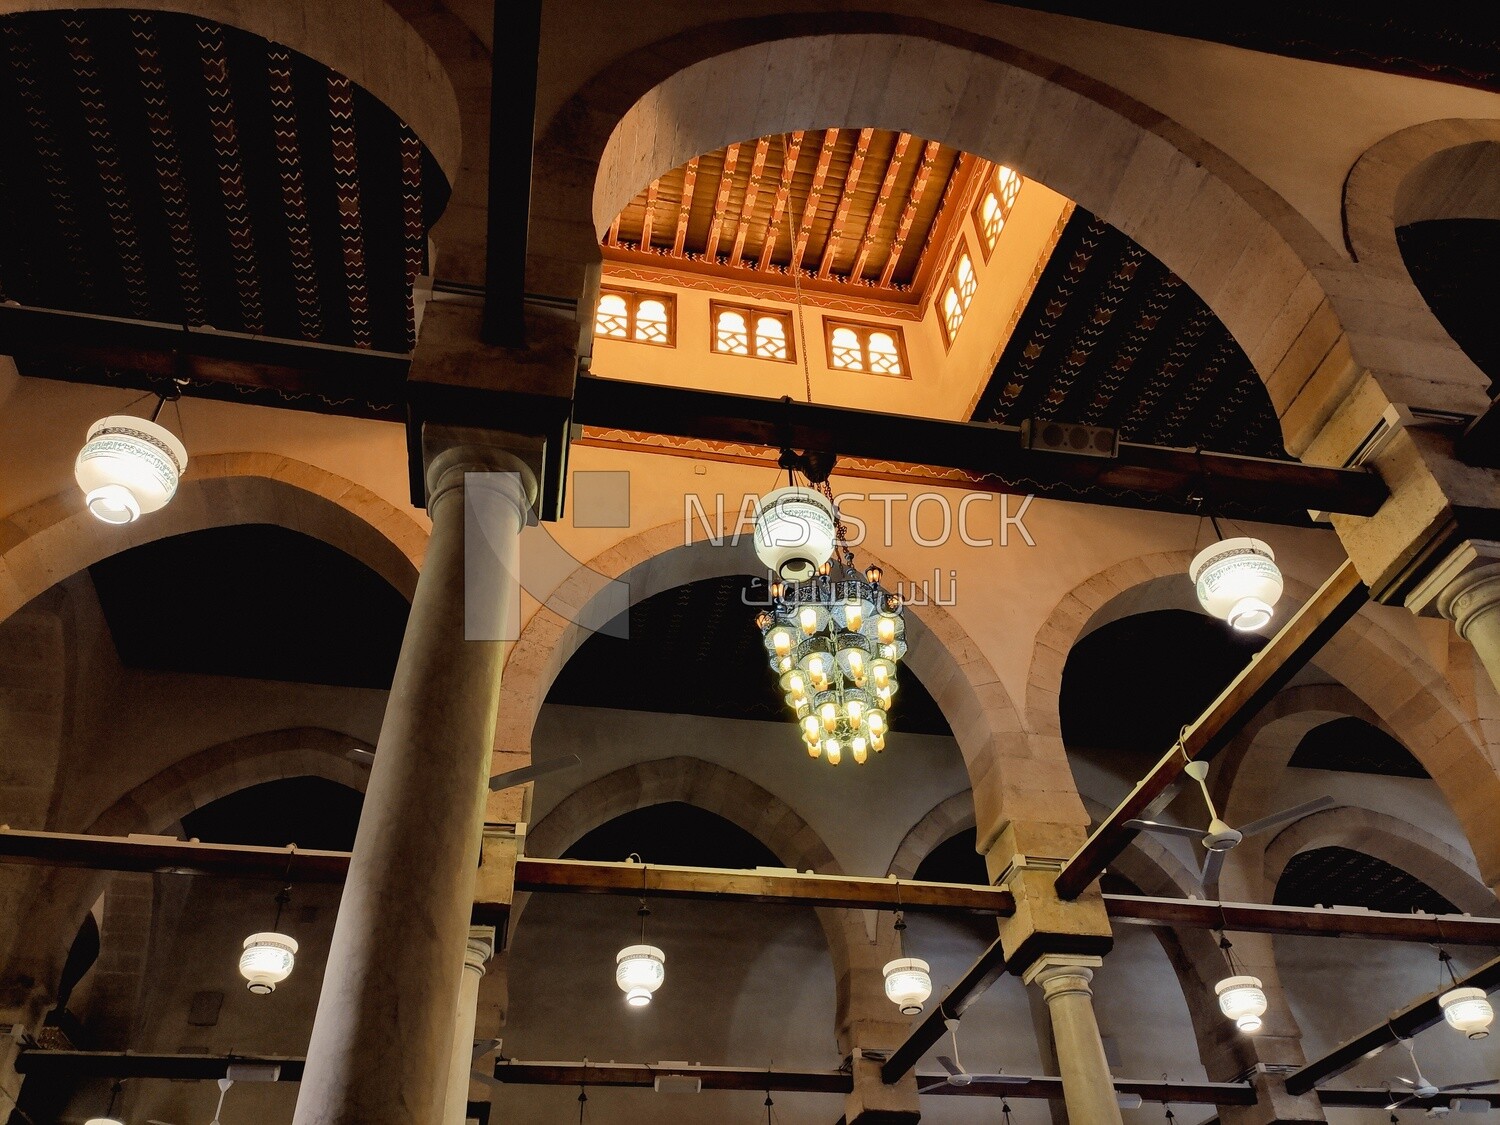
[476, 956]
[1472, 603]
[381, 1045]
[1088, 1088]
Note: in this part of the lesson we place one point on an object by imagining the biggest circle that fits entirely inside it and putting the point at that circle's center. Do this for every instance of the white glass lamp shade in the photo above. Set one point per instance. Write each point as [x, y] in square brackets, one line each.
[639, 971]
[128, 467]
[908, 984]
[1238, 582]
[794, 532]
[1243, 1000]
[1468, 1010]
[104, 1121]
[267, 961]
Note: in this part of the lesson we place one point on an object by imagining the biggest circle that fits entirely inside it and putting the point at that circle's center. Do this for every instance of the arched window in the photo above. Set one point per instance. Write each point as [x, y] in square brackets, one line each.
[993, 208]
[958, 293]
[628, 314]
[757, 333]
[864, 347]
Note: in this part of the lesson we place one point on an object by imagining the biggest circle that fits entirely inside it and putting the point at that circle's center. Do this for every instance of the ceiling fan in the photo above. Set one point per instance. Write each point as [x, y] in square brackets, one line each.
[958, 1076]
[1422, 1090]
[1220, 837]
[508, 780]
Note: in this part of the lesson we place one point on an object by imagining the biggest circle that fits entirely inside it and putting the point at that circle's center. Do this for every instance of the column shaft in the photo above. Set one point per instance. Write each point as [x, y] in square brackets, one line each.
[476, 956]
[381, 1045]
[1088, 1088]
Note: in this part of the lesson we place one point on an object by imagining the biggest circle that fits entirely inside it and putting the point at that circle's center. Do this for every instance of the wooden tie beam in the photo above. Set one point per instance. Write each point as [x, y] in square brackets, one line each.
[1298, 641]
[1400, 1025]
[1138, 474]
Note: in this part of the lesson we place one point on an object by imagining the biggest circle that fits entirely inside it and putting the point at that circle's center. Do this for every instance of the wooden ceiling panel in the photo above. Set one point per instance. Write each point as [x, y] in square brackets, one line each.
[846, 207]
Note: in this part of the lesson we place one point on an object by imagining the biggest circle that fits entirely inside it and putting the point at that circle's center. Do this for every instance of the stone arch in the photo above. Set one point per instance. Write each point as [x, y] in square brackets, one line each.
[1411, 699]
[42, 544]
[1436, 170]
[230, 766]
[941, 821]
[1241, 249]
[1011, 778]
[1417, 852]
[388, 57]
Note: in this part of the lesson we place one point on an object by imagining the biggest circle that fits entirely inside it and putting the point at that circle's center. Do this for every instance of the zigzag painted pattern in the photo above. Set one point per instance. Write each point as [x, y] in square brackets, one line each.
[23, 71]
[411, 212]
[174, 189]
[346, 185]
[231, 175]
[294, 192]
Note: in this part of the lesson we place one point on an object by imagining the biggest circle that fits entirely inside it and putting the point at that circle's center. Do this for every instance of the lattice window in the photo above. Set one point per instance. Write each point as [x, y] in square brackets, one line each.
[757, 333]
[994, 206]
[628, 314]
[865, 347]
[958, 293]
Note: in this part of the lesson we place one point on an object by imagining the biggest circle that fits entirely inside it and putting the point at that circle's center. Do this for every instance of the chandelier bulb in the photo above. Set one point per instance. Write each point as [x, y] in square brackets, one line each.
[834, 751]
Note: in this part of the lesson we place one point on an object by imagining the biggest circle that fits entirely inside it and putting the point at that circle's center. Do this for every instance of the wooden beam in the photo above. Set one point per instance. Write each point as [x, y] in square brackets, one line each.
[882, 198]
[1304, 921]
[612, 237]
[685, 207]
[130, 1064]
[984, 972]
[1400, 1025]
[778, 205]
[909, 212]
[721, 201]
[782, 887]
[513, 70]
[638, 1076]
[1297, 642]
[1379, 1099]
[846, 200]
[648, 220]
[157, 853]
[1139, 476]
[814, 195]
[747, 205]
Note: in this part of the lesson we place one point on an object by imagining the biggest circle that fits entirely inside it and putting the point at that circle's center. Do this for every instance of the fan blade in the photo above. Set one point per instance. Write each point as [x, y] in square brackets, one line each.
[1010, 1079]
[481, 1076]
[360, 757]
[932, 1085]
[1469, 1085]
[1286, 816]
[484, 1047]
[1165, 829]
[1408, 1081]
[1213, 867]
[512, 778]
[948, 1064]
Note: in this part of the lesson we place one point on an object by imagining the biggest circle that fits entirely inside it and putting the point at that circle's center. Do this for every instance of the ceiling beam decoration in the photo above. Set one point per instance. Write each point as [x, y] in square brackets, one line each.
[649, 221]
[1137, 476]
[789, 156]
[814, 192]
[684, 210]
[747, 205]
[721, 203]
[1400, 1025]
[909, 211]
[877, 213]
[846, 199]
[1296, 643]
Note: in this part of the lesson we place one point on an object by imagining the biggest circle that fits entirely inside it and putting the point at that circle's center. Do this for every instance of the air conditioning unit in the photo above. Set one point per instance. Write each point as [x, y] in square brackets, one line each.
[678, 1084]
[1068, 437]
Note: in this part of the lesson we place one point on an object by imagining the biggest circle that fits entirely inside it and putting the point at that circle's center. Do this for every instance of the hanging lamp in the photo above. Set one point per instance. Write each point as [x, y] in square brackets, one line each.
[1466, 1009]
[908, 980]
[269, 956]
[1237, 580]
[640, 969]
[109, 1117]
[1241, 996]
[129, 466]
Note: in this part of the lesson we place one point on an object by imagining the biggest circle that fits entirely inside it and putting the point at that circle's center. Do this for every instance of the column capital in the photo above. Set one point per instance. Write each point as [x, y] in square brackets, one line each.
[1060, 973]
[480, 948]
[449, 452]
[1454, 587]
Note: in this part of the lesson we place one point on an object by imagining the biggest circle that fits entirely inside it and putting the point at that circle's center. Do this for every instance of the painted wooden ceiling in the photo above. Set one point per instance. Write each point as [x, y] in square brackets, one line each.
[843, 208]
[158, 167]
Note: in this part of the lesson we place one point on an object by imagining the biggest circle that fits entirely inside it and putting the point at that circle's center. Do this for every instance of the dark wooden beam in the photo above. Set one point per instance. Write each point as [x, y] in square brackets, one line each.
[136, 853]
[1480, 443]
[1379, 1099]
[1269, 670]
[1167, 477]
[148, 356]
[1400, 1025]
[984, 972]
[1304, 921]
[513, 71]
[786, 888]
[129, 1064]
